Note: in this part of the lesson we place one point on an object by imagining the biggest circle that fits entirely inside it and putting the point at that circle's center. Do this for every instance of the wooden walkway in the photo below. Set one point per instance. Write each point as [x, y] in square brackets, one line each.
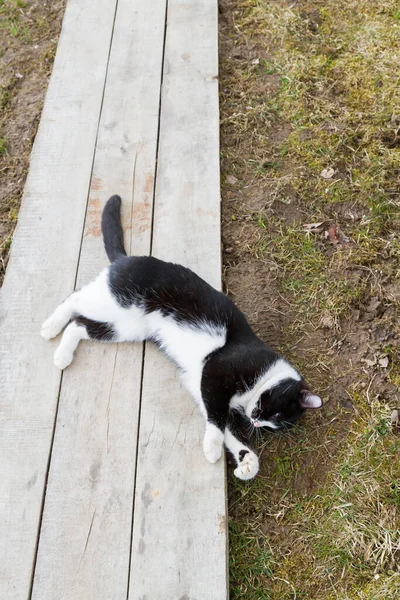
[104, 490]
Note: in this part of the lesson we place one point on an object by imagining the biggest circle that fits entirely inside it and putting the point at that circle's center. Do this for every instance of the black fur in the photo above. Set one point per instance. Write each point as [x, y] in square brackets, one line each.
[283, 400]
[242, 454]
[113, 234]
[232, 369]
[102, 332]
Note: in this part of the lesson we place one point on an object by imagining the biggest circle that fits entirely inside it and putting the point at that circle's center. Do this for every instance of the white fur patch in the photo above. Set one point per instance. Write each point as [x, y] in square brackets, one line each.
[248, 467]
[188, 346]
[213, 443]
[269, 424]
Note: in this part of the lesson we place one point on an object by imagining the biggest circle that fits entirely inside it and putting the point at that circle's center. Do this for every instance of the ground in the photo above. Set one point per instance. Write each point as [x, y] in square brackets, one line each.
[29, 33]
[311, 170]
[310, 135]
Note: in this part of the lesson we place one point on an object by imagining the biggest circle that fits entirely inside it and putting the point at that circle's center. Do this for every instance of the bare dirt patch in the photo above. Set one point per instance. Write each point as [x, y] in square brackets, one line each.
[29, 33]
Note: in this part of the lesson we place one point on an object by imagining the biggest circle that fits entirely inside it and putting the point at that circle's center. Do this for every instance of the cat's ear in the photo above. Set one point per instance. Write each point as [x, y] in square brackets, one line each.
[309, 400]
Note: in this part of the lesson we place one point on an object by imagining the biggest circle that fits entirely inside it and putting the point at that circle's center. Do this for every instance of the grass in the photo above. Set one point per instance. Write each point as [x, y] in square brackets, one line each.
[308, 87]
[4, 97]
[251, 565]
[3, 146]
[342, 540]
[318, 284]
[12, 18]
[335, 88]
[28, 40]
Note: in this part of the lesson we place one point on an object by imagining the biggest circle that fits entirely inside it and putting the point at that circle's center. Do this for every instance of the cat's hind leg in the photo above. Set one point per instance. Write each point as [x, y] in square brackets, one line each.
[60, 317]
[81, 329]
[94, 300]
[246, 459]
[73, 334]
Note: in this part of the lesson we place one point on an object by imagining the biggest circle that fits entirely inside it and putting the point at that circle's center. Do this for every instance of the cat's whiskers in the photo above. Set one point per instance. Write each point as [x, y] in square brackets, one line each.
[250, 428]
[288, 387]
[290, 426]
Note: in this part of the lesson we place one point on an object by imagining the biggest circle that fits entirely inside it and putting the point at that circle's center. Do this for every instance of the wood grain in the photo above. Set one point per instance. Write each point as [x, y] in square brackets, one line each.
[84, 547]
[179, 535]
[127, 506]
[40, 273]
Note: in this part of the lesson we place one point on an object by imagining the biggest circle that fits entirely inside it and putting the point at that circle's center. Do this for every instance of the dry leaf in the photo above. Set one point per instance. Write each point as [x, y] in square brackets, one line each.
[315, 227]
[231, 179]
[384, 362]
[333, 234]
[331, 231]
[256, 61]
[327, 173]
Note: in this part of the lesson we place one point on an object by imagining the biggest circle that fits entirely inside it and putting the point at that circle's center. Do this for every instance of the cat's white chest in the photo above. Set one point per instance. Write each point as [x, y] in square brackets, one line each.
[187, 345]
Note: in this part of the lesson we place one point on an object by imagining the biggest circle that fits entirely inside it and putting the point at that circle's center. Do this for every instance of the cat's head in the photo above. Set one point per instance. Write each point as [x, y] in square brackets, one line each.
[282, 405]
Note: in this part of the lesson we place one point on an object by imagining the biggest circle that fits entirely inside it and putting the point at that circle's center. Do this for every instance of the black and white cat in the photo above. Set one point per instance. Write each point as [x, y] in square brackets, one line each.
[226, 368]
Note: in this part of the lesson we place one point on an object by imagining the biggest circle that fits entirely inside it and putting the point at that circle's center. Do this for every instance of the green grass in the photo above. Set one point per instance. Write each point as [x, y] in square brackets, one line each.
[3, 146]
[338, 92]
[4, 97]
[12, 18]
[250, 566]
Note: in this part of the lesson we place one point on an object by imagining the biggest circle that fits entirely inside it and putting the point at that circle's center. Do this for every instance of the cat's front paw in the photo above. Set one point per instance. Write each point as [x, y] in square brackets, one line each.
[213, 452]
[62, 358]
[213, 443]
[50, 328]
[248, 466]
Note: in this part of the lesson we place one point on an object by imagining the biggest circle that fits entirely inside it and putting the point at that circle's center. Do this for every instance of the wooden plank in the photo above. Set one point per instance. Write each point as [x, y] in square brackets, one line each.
[41, 271]
[179, 535]
[84, 547]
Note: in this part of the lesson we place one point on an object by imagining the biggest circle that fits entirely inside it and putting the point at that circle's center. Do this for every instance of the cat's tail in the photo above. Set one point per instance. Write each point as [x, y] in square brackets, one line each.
[111, 227]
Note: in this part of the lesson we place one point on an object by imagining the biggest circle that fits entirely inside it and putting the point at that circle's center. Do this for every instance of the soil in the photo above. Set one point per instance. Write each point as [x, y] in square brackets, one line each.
[29, 34]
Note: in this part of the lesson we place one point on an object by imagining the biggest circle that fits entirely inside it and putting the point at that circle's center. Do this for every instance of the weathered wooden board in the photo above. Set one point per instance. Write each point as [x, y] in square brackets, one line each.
[126, 513]
[41, 271]
[179, 536]
[85, 542]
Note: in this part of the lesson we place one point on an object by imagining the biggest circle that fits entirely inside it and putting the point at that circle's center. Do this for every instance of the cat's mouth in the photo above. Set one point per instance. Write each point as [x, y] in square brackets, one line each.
[273, 426]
